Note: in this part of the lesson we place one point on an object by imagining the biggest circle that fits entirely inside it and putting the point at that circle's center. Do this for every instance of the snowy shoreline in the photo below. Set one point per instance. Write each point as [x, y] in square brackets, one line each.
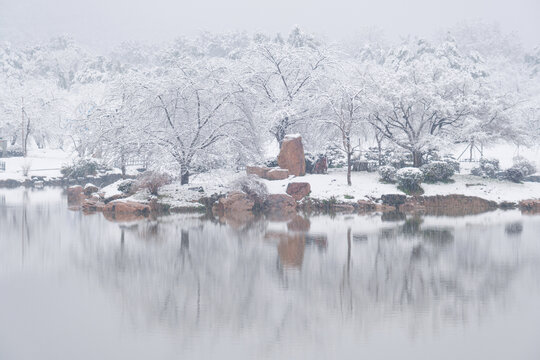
[329, 192]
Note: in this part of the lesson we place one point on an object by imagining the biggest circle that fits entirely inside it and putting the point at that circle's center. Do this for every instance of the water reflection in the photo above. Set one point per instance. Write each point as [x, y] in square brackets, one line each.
[274, 285]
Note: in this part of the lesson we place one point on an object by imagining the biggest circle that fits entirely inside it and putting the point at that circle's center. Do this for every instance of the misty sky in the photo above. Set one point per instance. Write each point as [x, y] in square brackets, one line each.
[107, 22]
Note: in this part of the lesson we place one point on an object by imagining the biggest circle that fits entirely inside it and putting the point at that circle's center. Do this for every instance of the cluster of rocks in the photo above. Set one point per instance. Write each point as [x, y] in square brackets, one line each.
[89, 199]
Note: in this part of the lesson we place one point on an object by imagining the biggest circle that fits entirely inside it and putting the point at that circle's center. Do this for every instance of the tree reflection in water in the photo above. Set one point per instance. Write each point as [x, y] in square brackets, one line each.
[278, 279]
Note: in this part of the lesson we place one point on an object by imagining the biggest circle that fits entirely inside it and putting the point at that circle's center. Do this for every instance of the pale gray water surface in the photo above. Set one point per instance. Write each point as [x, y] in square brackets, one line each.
[75, 286]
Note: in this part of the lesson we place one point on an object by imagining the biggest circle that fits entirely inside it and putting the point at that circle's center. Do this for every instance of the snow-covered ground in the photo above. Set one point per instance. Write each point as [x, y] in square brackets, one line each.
[367, 185]
[41, 162]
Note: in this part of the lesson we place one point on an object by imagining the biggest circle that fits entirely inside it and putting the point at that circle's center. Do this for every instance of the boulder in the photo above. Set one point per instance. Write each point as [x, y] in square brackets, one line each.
[89, 189]
[393, 199]
[291, 155]
[74, 191]
[365, 206]
[530, 206]
[235, 201]
[298, 190]
[280, 203]
[92, 204]
[260, 171]
[127, 207]
[277, 174]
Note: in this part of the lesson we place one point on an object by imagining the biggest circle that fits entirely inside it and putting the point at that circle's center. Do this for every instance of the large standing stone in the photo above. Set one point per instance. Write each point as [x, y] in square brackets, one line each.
[298, 190]
[291, 156]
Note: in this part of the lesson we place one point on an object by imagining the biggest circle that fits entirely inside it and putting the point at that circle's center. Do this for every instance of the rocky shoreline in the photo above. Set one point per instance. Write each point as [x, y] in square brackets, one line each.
[238, 204]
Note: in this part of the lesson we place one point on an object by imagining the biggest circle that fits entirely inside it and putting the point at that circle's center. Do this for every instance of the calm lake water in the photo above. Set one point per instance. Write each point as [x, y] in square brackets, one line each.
[75, 286]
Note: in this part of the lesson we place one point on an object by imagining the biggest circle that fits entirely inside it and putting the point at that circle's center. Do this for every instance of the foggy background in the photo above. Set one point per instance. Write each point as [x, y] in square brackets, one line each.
[105, 23]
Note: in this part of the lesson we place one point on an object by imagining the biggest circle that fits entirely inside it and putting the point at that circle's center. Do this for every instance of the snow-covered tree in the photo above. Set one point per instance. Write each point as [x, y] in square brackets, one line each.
[284, 76]
[424, 95]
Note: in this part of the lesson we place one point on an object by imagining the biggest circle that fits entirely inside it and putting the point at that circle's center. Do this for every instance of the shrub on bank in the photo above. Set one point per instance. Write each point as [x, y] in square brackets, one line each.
[409, 179]
[387, 173]
[514, 174]
[255, 189]
[488, 168]
[152, 181]
[80, 168]
[525, 166]
[437, 171]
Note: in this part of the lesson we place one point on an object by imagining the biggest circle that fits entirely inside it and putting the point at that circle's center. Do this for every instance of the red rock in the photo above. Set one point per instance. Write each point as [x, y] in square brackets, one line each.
[89, 189]
[236, 201]
[365, 206]
[280, 203]
[298, 190]
[75, 194]
[260, 171]
[91, 205]
[127, 207]
[291, 155]
[530, 206]
[277, 174]
[74, 190]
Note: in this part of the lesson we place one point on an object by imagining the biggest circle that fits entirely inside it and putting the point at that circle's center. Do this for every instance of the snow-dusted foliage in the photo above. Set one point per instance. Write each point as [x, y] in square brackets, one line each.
[228, 100]
[488, 168]
[409, 178]
[152, 181]
[253, 187]
[437, 171]
[387, 173]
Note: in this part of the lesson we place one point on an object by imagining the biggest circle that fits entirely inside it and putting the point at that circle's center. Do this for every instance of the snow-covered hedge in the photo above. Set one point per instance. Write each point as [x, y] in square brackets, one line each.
[80, 168]
[488, 168]
[409, 178]
[514, 174]
[525, 166]
[387, 173]
[437, 171]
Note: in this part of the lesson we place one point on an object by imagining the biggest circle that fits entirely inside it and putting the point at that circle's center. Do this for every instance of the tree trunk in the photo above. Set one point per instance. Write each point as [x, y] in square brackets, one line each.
[184, 176]
[349, 166]
[417, 158]
[281, 130]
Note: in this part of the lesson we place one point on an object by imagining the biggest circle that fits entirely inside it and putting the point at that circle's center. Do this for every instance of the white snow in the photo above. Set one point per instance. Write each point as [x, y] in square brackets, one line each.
[367, 186]
[42, 162]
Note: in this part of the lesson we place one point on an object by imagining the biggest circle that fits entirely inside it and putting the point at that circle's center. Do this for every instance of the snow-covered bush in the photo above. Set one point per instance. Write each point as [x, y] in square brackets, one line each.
[514, 174]
[127, 186]
[335, 157]
[387, 173]
[254, 188]
[452, 162]
[488, 168]
[526, 167]
[409, 178]
[152, 181]
[437, 171]
[80, 168]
